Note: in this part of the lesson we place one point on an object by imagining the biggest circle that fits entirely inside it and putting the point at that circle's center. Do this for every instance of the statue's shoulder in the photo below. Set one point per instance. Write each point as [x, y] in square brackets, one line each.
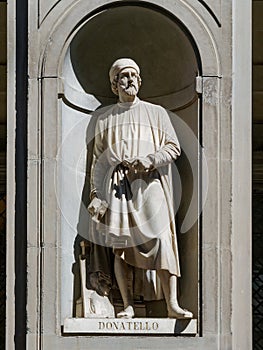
[104, 109]
[153, 106]
[103, 112]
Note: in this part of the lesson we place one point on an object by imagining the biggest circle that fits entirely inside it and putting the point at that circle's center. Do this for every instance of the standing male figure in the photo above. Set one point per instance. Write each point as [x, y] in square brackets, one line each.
[131, 180]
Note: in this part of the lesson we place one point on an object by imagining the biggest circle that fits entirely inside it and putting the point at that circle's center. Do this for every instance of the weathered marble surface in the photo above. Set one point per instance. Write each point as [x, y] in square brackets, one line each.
[46, 6]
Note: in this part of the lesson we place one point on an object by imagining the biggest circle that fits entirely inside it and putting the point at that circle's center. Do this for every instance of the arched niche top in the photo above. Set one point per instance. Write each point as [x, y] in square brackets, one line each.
[162, 50]
[158, 44]
[62, 26]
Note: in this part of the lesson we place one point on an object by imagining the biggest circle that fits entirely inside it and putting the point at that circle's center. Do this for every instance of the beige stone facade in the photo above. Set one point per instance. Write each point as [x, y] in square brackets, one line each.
[211, 36]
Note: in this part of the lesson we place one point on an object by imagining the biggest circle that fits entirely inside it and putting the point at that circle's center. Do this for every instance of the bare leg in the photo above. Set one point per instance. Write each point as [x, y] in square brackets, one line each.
[124, 276]
[169, 285]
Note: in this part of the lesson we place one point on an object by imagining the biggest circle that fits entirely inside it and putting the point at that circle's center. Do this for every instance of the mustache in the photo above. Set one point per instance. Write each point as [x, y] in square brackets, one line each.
[131, 85]
[130, 88]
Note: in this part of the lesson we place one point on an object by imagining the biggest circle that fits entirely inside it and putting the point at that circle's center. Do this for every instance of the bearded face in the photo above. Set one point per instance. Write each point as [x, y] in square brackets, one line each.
[128, 82]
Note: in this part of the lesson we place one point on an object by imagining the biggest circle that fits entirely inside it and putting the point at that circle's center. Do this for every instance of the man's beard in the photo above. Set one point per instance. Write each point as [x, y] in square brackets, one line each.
[130, 90]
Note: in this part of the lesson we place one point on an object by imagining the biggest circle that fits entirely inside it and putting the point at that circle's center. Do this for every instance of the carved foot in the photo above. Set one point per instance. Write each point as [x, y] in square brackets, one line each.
[175, 311]
[128, 312]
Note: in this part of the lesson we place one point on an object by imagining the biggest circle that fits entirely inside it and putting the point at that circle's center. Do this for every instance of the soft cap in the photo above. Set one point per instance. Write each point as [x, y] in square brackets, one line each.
[121, 64]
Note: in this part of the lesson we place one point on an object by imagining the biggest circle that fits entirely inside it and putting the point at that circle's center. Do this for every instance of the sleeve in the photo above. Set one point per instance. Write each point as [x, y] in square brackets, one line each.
[170, 149]
[98, 162]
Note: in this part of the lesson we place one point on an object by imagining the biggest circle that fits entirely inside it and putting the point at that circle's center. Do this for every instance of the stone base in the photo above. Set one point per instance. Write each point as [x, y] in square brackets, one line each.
[130, 326]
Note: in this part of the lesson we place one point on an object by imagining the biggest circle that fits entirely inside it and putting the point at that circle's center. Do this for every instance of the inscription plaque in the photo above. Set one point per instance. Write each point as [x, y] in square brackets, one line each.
[143, 326]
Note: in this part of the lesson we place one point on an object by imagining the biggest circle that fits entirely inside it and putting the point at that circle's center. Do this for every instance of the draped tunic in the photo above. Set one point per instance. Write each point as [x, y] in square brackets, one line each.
[139, 223]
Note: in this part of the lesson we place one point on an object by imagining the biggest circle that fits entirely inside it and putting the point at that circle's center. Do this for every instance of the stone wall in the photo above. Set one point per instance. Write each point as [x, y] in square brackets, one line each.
[224, 234]
[257, 222]
[3, 82]
[3, 87]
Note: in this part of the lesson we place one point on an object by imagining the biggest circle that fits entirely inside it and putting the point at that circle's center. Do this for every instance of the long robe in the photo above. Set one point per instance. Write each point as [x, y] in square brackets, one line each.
[139, 223]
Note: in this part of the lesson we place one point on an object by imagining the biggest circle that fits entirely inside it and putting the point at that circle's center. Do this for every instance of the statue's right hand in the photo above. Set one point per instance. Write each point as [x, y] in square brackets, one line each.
[140, 164]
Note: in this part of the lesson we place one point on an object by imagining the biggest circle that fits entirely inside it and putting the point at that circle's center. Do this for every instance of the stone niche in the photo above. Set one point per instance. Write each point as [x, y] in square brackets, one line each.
[169, 67]
[185, 51]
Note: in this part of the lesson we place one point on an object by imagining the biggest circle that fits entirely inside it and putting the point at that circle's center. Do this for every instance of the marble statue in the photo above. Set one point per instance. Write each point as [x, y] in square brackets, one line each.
[131, 188]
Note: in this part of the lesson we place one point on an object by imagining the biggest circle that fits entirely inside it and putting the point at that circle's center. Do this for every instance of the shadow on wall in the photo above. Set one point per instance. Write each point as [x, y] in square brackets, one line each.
[143, 35]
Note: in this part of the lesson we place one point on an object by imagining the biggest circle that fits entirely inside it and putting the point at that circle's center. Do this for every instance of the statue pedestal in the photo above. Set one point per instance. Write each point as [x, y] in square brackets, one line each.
[130, 326]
